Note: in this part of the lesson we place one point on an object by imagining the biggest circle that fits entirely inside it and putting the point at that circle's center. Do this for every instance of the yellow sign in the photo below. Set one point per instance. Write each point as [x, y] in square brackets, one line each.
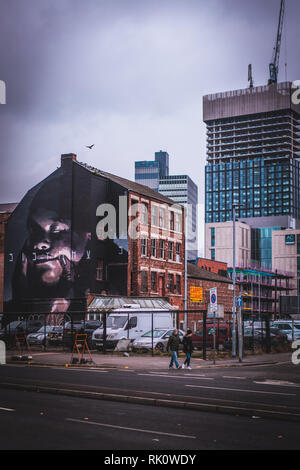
[196, 294]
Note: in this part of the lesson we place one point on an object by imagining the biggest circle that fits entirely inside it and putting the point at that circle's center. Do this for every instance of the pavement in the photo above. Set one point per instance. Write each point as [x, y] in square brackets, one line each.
[145, 362]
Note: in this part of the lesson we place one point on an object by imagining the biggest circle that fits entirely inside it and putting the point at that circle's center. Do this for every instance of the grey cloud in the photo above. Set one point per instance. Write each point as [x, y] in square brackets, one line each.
[127, 75]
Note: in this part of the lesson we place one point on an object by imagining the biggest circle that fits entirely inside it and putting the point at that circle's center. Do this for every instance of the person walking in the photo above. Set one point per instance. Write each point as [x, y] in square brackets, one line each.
[188, 349]
[173, 346]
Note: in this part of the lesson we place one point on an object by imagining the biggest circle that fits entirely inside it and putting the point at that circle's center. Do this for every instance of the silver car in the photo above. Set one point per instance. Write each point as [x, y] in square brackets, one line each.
[286, 327]
[42, 336]
[160, 339]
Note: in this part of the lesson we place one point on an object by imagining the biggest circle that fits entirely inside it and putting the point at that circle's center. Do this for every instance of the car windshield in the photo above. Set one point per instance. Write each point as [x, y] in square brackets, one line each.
[68, 325]
[156, 333]
[93, 326]
[116, 322]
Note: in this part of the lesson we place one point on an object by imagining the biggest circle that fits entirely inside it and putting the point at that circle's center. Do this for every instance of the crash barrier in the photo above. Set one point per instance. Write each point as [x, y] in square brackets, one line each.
[143, 331]
[80, 348]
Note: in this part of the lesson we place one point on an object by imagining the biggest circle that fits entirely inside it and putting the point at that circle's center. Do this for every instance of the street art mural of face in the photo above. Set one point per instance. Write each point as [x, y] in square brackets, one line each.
[54, 259]
[47, 255]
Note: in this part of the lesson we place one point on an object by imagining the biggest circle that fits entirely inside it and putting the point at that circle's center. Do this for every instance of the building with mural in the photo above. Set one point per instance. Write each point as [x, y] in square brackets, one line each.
[82, 231]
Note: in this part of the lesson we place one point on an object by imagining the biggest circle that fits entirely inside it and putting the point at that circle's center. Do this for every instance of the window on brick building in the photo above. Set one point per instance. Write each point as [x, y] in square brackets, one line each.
[144, 281]
[153, 247]
[144, 214]
[144, 246]
[178, 224]
[171, 220]
[171, 282]
[171, 250]
[178, 247]
[154, 281]
[154, 215]
[178, 284]
[162, 217]
[161, 248]
[99, 270]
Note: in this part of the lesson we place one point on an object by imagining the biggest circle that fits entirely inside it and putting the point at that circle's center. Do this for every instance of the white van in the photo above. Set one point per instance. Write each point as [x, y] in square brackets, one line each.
[121, 325]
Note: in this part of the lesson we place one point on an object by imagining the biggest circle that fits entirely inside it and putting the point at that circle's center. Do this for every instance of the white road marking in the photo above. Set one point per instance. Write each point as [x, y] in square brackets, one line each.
[6, 409]
[233, 377]
[89, 370]
[178, 376]
[278, 383]
[130, 429]
[241, 390]
[167, 374]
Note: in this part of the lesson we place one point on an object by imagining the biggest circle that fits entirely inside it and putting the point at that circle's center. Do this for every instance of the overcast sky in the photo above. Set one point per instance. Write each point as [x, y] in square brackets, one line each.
[127, 76]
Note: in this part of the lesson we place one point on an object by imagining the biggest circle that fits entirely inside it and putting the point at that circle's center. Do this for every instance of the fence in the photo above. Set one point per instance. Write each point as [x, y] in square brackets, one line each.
[143, 331]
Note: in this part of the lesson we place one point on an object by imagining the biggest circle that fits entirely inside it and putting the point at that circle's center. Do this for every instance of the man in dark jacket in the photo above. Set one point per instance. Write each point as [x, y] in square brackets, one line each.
[173, 346]
[188, 348]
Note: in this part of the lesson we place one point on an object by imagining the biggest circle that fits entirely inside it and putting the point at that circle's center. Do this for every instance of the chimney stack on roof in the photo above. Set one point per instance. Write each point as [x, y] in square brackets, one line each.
[68, 156]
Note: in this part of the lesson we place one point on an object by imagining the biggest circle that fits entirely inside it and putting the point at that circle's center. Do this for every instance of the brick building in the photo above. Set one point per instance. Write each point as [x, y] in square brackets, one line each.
[156, 257]
[217, 267]
[202, 279]
[82, 231]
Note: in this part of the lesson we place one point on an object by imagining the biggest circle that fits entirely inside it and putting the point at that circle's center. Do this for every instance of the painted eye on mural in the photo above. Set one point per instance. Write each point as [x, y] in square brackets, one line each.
[59, 228]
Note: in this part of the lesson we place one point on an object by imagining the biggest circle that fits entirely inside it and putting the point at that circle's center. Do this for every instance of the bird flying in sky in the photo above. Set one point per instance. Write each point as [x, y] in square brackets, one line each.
[90, 146]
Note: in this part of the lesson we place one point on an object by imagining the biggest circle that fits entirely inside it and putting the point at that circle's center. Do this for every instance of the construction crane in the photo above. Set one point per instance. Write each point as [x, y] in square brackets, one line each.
[274, 65]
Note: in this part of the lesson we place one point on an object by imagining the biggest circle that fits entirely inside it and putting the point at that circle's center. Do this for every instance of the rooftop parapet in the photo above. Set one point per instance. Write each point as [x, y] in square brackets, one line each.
[261, 99]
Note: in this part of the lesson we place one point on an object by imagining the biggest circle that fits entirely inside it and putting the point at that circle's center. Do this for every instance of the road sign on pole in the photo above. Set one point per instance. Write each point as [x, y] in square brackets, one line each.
[213, 299]
[213, 296]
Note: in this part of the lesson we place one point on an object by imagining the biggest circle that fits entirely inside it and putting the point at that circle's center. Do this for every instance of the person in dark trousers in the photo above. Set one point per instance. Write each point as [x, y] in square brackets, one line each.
[173, 346]
[188, 348]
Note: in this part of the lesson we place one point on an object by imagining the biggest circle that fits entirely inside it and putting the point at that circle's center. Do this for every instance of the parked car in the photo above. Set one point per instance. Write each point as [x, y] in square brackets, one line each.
[80, 327]
[42, 336]
[55, 337]
[8, 333]
[89, 327]
[223, 335]
[160, 339]
[286, 327]
[69, 332]
[280, 335]
[9, 329]
[255, 337]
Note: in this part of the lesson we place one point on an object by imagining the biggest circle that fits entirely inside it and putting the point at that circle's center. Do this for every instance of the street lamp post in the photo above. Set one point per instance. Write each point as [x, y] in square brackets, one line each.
[185, 270]
[234, 206]
[234, 281]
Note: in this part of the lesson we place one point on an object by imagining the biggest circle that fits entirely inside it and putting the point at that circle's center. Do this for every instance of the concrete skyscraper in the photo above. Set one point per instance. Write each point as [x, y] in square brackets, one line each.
[253, 151]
